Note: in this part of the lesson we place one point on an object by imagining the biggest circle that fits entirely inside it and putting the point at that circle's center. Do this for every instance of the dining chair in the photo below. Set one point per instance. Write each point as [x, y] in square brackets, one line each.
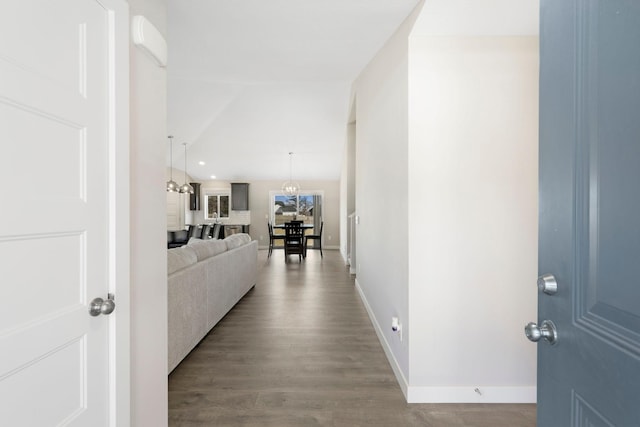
[314, 237]
[293, 240]
[205, 232]
[272, 238]
[215, 232]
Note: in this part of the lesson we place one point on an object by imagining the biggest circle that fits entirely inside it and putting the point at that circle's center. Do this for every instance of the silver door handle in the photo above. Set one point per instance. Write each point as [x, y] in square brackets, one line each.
[546, 330]
[99, 306]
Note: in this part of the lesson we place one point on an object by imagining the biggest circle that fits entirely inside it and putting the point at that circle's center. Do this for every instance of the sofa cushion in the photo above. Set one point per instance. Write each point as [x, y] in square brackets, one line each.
[237, 240]
[179, 258]
[207, 248]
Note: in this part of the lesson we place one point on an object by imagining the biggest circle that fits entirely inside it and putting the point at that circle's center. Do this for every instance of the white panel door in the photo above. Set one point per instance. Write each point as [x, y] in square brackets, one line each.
[56, 116]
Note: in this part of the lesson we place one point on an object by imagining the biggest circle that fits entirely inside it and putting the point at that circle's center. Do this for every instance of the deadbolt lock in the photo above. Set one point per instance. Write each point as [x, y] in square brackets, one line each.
[547, 283]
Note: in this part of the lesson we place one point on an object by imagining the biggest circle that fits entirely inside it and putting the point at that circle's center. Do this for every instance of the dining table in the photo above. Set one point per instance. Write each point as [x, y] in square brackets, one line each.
[303, 226]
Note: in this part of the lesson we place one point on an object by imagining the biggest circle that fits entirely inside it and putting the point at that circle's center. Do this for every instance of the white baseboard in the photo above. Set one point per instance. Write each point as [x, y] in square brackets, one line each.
[402, 381]
[443, 394]
[345, 258]
[471, 394]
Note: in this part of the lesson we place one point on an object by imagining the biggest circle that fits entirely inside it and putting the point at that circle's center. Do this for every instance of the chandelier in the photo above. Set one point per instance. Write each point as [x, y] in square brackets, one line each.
[186, 188]
[291, 187]
[172, 186]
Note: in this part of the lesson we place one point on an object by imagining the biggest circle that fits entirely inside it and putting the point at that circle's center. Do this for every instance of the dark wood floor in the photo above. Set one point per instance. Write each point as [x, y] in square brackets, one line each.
[299, 350]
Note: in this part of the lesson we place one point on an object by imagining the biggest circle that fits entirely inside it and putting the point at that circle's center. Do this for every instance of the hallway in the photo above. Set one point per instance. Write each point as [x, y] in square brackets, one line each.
[299, 350]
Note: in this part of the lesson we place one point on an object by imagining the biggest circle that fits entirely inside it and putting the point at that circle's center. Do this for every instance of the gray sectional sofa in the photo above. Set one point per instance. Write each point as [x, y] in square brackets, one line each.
[206, 278]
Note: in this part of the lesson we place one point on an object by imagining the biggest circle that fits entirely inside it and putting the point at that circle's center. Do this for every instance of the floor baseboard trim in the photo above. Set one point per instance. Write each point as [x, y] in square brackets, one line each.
[404, 385]
[428, 394]
[472, 394]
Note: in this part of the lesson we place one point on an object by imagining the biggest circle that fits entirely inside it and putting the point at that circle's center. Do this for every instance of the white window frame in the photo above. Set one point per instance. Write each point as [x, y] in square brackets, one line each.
[216, 193]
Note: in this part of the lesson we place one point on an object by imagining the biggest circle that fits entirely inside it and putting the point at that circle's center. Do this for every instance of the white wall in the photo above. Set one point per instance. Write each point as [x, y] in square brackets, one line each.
[347, 187]
[343, 211]
[381, 193]
[446, 192]
[473, 168]
[148, 224]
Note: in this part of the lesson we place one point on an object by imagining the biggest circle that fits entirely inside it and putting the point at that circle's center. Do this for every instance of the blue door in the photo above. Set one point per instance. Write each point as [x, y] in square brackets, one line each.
[589, 214]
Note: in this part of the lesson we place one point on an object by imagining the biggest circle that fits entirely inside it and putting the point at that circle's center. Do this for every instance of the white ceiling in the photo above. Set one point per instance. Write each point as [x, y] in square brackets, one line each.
[251, 80]
[478, 18]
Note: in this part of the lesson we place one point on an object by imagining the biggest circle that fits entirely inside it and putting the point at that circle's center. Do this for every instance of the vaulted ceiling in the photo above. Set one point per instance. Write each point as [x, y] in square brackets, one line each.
[251, 80]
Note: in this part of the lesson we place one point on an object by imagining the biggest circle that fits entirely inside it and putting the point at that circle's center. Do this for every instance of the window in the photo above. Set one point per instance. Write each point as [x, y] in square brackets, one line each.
[217, 206]
[305, 207]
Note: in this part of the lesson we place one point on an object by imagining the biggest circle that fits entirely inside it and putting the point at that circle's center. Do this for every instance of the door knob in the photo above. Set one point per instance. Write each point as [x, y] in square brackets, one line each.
[99, 306]
[546, 330]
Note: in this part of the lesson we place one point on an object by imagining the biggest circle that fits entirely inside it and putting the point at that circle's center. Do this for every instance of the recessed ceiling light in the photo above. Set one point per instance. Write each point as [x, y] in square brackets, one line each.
[201, 163]
[213, 177]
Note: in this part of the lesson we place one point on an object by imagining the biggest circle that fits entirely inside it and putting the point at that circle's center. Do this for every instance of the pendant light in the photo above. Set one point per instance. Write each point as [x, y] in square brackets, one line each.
[291, 188]
[172, 186]
[186, 188]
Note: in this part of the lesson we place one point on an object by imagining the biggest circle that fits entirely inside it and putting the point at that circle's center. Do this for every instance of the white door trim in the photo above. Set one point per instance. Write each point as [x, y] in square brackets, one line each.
[119, 269]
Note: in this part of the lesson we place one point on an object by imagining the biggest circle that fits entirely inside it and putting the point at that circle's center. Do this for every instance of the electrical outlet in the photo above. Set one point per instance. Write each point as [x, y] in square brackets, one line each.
[396, 327]
[329, 237]
[261, 237]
